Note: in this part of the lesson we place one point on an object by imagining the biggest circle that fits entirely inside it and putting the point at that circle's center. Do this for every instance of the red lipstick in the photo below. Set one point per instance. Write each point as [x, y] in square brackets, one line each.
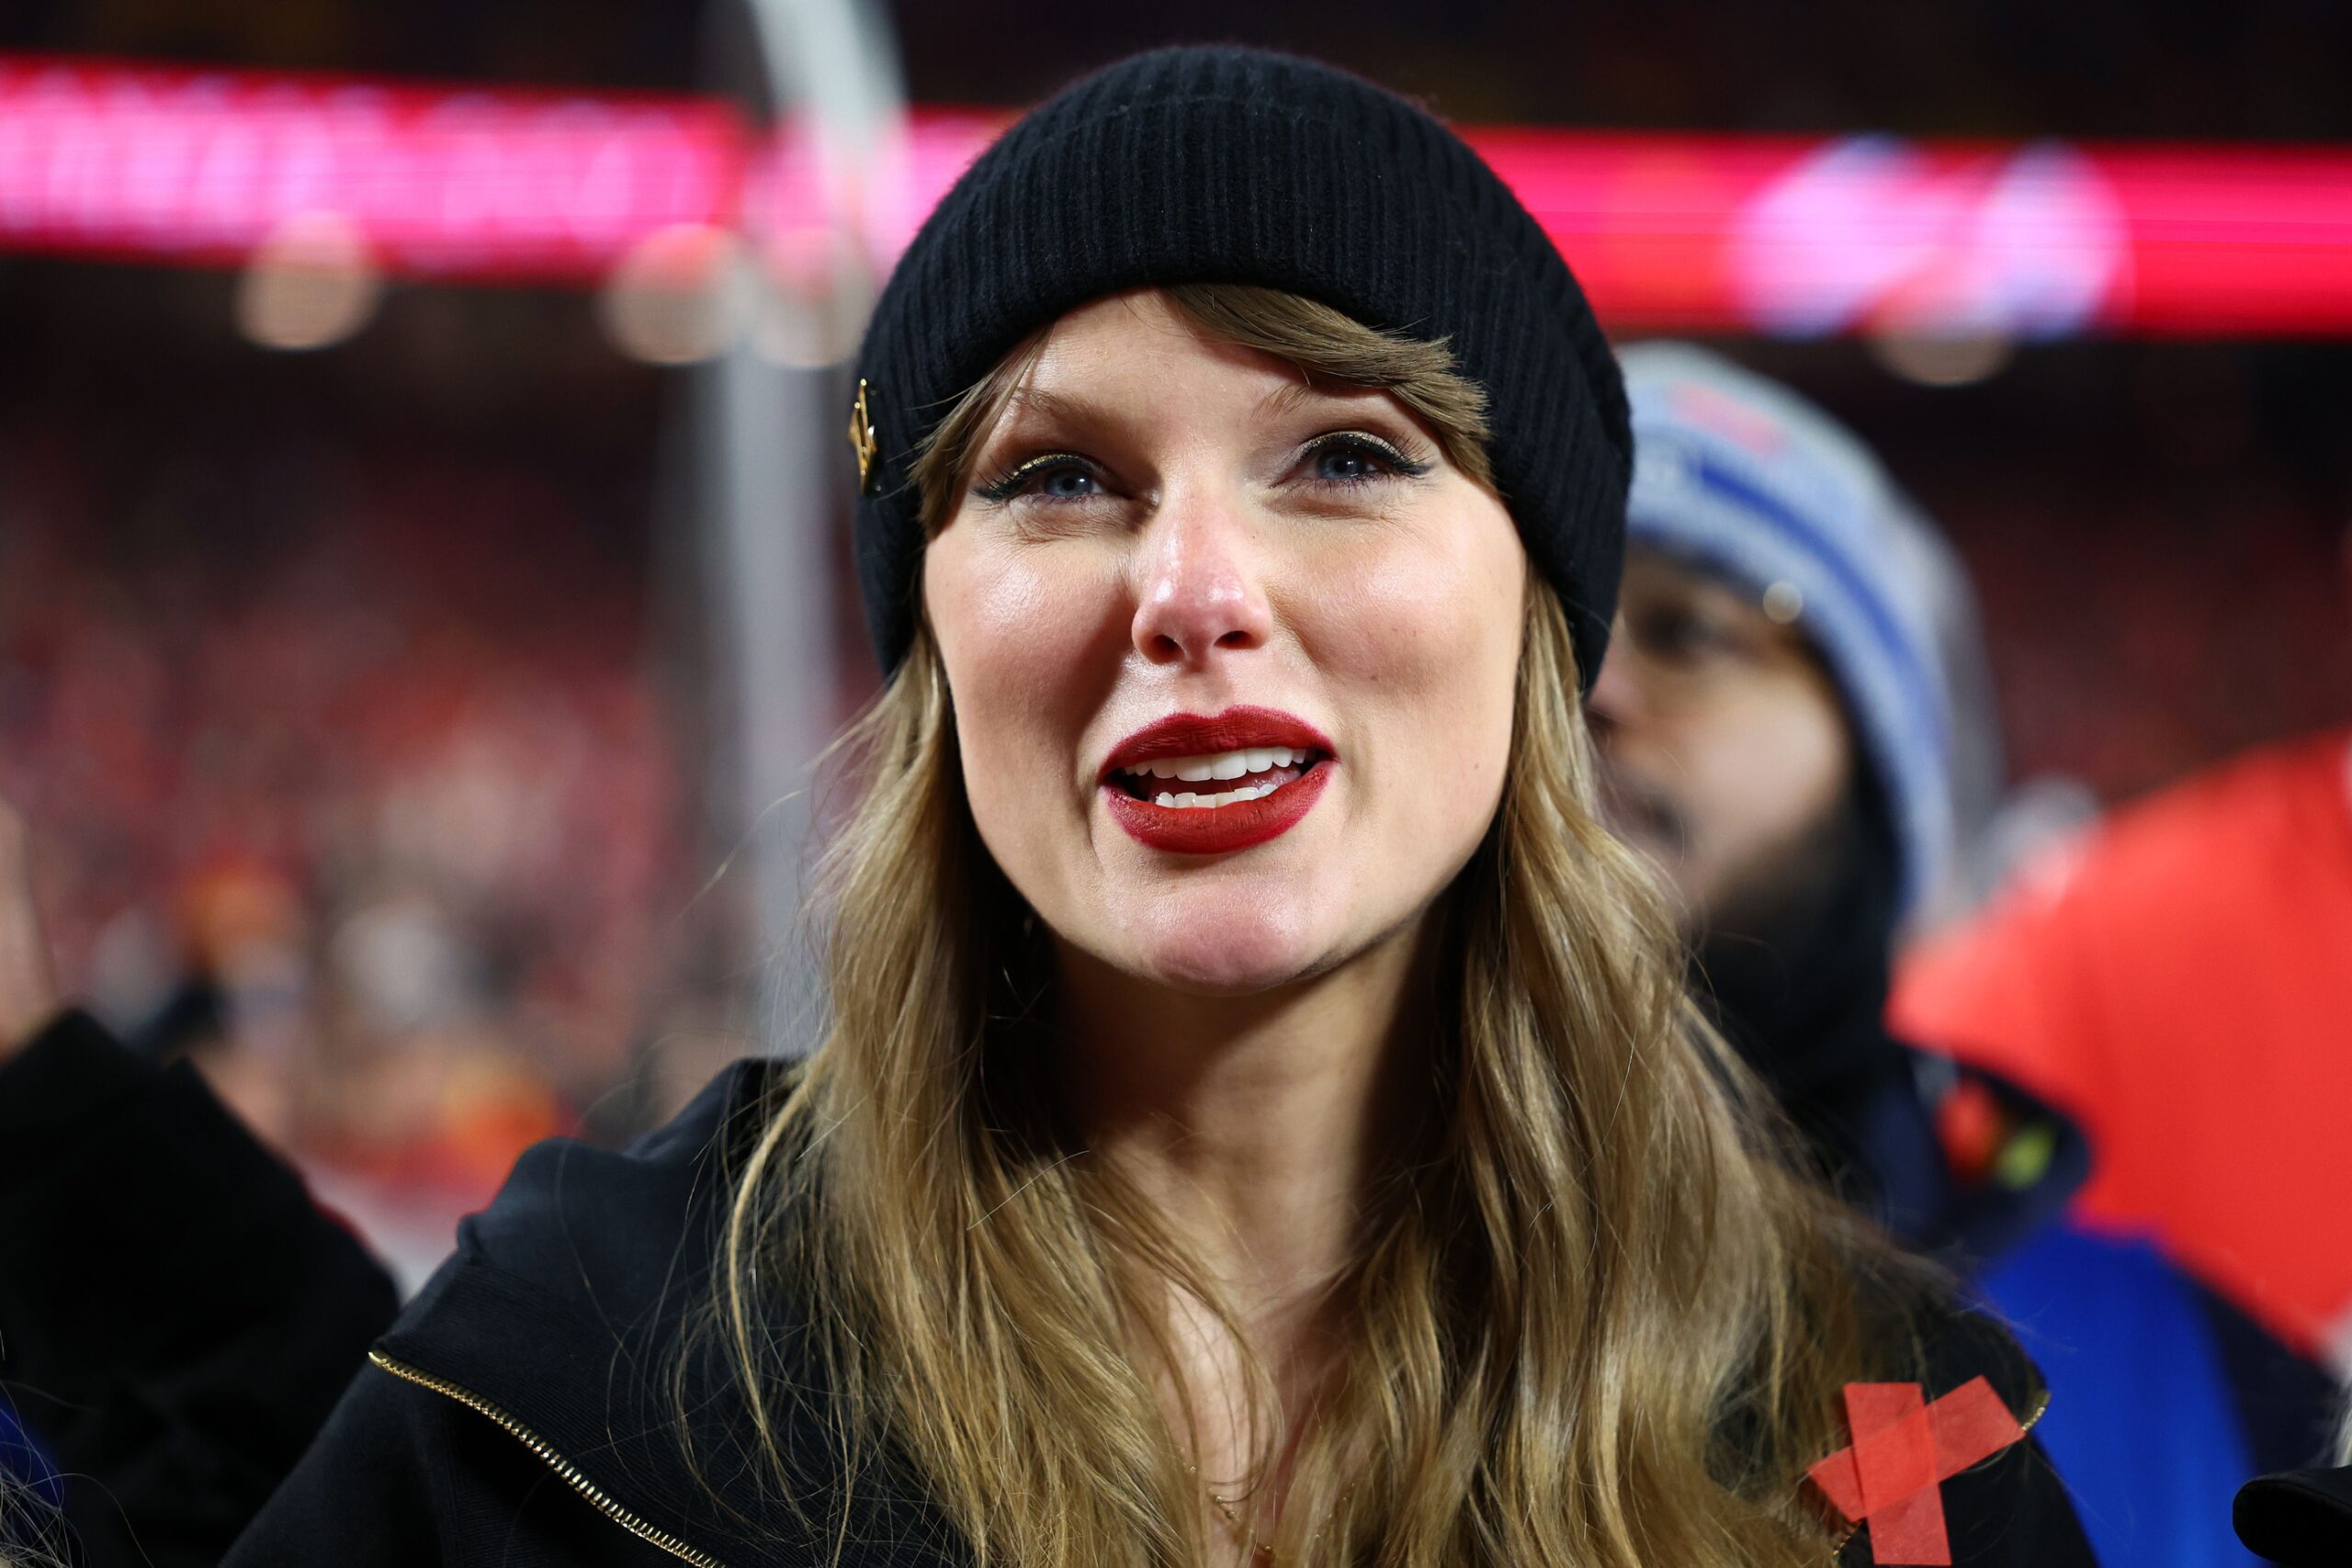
[1216, 829]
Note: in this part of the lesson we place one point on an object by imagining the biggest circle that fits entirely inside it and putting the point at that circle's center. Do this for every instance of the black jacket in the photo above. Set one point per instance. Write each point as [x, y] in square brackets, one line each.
[2302, 1518]
[176, 1318]
[525, 1409]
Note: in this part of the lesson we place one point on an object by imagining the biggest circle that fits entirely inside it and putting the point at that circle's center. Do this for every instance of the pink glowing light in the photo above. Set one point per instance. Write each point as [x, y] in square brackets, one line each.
[1787, 235]
[204, 166]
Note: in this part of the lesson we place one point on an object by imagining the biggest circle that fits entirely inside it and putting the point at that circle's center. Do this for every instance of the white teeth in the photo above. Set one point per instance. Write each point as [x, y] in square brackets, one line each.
[1222, 766]
[1192, 801]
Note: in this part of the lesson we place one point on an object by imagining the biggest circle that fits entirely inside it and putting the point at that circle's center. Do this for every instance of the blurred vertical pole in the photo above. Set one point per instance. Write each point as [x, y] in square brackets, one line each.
[770, 453]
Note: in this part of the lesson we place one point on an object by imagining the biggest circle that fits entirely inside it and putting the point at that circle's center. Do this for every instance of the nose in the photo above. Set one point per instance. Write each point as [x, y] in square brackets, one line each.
[1198, 587]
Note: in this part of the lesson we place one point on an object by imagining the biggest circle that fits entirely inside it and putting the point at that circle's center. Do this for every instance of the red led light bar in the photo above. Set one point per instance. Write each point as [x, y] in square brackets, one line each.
[1793, 236]
[202, 166]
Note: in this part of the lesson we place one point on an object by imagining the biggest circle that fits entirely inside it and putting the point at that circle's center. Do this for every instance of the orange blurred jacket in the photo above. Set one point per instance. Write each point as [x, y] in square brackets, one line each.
[2181, 981]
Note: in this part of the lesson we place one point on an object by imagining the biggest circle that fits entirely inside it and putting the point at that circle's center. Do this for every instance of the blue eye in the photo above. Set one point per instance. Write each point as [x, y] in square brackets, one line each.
[1351, 458]
[1059, 477]
[1066, 483]
[1346, 464]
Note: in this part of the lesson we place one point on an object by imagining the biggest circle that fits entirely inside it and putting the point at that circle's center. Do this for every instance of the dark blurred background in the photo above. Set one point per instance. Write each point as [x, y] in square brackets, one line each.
[363, 698]
[2004, 68]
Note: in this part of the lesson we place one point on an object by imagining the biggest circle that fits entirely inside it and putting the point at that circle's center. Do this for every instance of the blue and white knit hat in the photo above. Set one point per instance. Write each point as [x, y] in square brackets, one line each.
[1744, 479]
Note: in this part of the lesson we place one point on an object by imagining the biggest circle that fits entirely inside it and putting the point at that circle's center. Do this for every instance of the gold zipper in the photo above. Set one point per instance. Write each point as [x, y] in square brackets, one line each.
[569, 1471]
[2041, 1408]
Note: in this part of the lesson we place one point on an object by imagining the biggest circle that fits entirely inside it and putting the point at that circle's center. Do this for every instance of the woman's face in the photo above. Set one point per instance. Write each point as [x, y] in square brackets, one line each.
[1178, 573]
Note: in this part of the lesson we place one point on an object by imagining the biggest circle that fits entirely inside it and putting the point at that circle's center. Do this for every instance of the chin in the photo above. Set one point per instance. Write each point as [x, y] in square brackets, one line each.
[1222, 946]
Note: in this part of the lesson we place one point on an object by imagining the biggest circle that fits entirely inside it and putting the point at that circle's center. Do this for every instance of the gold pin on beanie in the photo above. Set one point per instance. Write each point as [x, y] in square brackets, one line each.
[861, 441]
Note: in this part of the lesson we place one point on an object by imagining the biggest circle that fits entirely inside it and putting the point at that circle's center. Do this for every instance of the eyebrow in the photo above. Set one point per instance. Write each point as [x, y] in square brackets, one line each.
[1026, 401]
[1290, 396]
[1076, 407]
[1043, 400]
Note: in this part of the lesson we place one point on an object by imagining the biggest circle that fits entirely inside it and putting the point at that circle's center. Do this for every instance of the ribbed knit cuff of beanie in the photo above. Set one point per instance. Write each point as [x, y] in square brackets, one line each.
[1235, 165]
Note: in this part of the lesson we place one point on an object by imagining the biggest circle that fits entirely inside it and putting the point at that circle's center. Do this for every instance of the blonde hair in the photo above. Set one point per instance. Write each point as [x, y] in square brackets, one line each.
[1595, 1322]
[33, 1530]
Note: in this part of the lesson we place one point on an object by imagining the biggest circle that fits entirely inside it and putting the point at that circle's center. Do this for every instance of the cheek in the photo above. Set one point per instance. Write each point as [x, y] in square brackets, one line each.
[1762, 773]
[1020, 636]
[1426, 645]
[1004, 627]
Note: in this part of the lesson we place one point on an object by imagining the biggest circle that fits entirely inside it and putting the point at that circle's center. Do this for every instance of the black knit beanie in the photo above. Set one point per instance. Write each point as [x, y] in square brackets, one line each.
[1237, 165]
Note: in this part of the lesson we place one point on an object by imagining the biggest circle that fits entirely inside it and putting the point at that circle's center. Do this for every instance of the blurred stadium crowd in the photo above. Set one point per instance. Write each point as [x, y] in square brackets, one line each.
[351, 740]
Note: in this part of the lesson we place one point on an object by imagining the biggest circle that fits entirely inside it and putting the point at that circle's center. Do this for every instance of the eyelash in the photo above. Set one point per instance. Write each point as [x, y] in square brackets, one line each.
[1357, 442]
[1017, 478]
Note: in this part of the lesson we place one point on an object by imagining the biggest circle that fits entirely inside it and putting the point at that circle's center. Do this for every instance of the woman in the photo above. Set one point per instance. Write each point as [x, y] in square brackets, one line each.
[1259, 1119]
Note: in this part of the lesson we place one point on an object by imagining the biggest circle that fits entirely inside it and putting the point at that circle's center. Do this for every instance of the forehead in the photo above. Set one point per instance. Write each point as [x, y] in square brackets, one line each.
[1134, 343]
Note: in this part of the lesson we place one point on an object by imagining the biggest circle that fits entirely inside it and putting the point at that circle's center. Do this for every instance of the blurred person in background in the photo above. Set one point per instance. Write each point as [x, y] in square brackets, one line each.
[1785, 720]
[2179, 978]
[1194, 1171]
